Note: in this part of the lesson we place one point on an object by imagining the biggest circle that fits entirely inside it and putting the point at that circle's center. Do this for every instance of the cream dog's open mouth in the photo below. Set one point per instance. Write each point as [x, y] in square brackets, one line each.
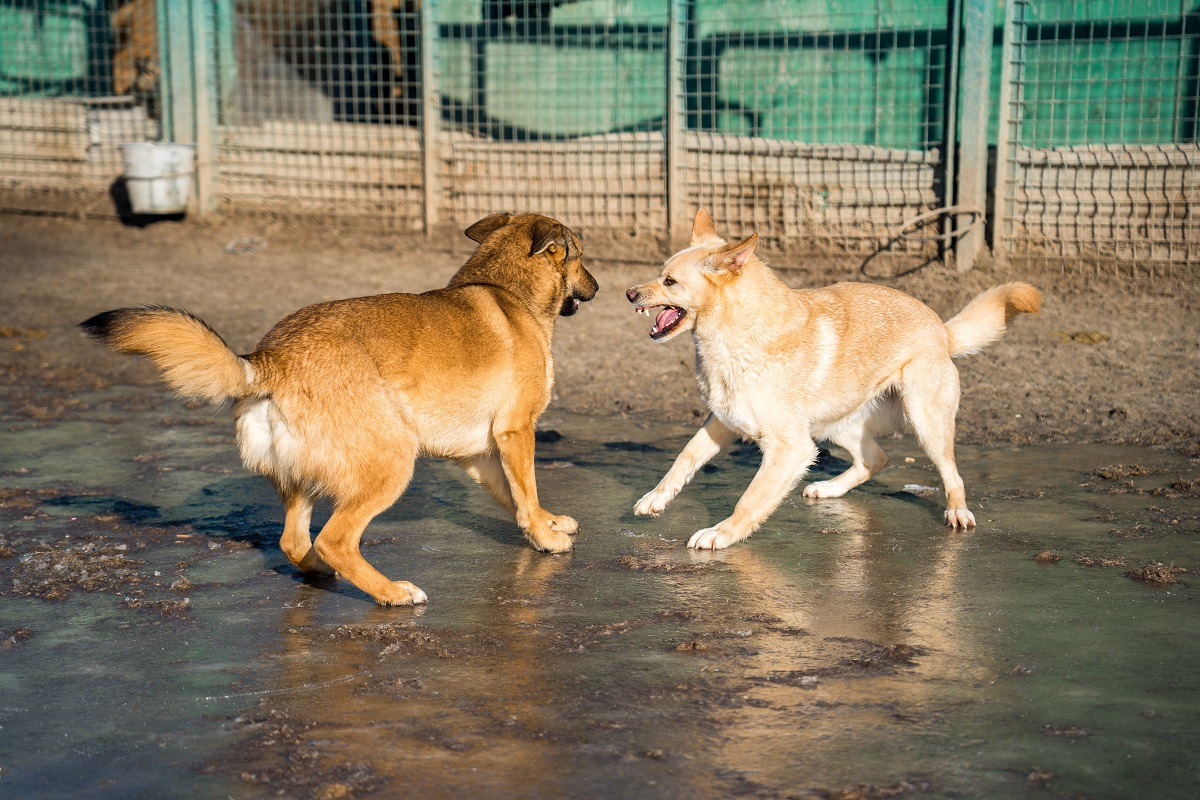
[665, 321]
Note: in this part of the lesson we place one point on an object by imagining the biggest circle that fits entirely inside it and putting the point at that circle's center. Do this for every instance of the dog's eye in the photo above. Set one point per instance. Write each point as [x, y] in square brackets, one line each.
[668, 281]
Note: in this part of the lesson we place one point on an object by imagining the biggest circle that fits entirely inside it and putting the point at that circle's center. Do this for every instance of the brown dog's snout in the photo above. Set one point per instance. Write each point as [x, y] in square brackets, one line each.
[589, 288]
[632, 293]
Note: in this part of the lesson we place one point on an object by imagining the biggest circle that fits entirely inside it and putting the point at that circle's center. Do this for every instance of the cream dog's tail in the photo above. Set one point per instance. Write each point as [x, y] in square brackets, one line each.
[193, 359]
[985, 318]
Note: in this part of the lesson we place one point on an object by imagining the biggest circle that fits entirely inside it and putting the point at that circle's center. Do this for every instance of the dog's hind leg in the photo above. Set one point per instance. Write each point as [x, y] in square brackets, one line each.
[296, 542]
[338, 542]
[708, 441]
[931, 404]
[784, 464]
[488, 472]
[867, 459]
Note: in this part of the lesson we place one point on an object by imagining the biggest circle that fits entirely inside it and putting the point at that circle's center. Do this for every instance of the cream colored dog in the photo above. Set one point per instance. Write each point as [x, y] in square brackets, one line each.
[785, 367]
[339, 399]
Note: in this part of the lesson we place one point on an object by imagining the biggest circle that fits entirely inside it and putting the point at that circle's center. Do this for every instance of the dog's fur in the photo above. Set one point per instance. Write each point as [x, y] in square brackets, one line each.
[785, 367]
[340, 398]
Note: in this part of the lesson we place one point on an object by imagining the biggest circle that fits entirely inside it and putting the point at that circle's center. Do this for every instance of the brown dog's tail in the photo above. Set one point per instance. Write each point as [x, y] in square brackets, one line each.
[193, 359]
[985, 318]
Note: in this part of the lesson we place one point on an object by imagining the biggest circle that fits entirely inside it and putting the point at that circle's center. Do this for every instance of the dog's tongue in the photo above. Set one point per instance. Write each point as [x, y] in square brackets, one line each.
[666, 318]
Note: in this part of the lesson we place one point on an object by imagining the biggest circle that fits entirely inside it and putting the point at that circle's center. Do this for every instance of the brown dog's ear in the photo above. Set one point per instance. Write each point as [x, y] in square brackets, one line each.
[545, 234]
[574, 248]
[487, 226]
[733, 257]
[702, 226]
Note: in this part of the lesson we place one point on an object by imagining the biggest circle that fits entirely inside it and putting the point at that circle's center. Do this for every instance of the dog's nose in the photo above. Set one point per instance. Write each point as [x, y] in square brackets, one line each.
[632, 294]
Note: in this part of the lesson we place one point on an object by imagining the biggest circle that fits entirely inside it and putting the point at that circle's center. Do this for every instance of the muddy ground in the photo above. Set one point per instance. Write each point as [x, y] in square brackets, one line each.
[871, 621]
[1112, 358]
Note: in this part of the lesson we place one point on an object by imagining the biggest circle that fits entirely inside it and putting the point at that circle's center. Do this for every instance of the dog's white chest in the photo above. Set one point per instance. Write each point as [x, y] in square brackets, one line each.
[735, 391]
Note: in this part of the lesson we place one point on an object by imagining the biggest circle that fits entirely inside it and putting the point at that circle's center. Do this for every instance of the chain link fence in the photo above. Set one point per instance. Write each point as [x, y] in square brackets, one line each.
[820, 124]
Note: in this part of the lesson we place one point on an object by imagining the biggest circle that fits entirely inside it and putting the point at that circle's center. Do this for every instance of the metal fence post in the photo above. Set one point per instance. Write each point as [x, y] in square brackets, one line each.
[184, 88]
[978, 22]
[431, 114]
[674, 145]
[225, 34]
[950, 128]
[175, 85]
[1009, 119]
[201, 44]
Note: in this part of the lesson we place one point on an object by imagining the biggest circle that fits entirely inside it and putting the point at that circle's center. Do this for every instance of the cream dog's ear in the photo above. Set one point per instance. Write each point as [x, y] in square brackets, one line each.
[487, 226]
[733, 257]
[702, 226]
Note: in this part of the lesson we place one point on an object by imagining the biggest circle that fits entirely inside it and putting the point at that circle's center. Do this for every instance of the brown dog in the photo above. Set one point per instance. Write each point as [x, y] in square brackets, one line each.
[340, 398]
[785, 367]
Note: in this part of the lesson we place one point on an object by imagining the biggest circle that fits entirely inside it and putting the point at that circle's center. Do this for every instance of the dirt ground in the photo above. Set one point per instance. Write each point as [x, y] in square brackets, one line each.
[1112, 357]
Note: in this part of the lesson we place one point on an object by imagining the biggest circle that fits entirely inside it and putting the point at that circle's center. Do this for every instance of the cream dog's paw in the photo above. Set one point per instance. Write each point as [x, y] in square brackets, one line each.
[823, 489]
[653, 503]
[960, 518]
[710, 539]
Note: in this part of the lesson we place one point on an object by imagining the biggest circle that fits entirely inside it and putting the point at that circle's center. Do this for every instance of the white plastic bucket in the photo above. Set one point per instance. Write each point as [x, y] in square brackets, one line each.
[158, 176]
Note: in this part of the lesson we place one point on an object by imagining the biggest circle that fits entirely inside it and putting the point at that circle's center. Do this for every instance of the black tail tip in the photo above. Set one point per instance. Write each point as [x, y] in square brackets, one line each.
[101, 325]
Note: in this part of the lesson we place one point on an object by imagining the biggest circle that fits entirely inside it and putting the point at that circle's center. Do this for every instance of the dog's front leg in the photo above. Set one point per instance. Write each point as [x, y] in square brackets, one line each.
[544, 530]
[784, 464]
[708, 441]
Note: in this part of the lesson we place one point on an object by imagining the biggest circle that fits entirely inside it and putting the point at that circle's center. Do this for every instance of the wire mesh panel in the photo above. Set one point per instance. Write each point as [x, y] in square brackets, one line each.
[77, 79]
[1101, 157]
[815, 123]
[320, 108]
[556, 107]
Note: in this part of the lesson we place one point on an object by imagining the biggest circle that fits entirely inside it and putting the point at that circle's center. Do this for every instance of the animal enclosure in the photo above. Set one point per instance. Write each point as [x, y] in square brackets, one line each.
[1069, 127]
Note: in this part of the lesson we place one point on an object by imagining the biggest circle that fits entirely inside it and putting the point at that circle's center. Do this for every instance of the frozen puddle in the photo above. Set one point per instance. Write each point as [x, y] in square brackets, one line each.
[155, 643]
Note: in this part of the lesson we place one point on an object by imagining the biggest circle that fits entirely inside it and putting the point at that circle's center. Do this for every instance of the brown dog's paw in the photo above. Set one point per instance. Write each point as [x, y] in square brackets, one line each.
[401, 593]
[567, 525]
[550, 540]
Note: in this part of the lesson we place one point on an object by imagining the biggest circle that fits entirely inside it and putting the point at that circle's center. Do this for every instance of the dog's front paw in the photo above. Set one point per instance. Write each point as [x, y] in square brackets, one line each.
[653, 503]
[401, 593]
[567, 525]
[960, 518]
[823, 489]
[549, 539]
[711, 539]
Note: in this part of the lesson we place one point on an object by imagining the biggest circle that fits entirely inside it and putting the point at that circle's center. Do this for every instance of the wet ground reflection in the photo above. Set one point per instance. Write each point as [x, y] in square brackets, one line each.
[154, 642]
